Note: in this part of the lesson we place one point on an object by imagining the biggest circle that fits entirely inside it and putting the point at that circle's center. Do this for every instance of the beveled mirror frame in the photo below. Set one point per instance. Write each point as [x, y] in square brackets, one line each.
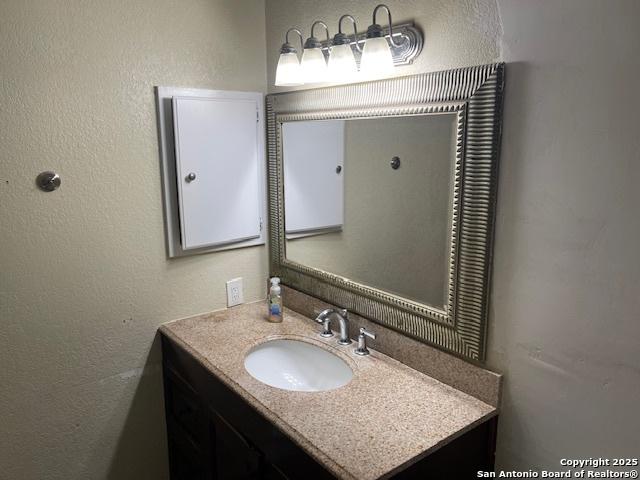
[474, 95]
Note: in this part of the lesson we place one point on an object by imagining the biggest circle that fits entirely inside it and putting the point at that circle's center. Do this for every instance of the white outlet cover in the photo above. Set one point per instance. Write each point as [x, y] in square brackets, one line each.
[235, 292]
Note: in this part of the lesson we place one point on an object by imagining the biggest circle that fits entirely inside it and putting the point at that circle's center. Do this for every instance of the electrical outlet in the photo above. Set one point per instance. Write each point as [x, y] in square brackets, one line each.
[235, 295]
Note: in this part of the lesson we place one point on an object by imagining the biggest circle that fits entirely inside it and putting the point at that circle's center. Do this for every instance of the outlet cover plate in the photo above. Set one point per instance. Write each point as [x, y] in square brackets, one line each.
[235, 293]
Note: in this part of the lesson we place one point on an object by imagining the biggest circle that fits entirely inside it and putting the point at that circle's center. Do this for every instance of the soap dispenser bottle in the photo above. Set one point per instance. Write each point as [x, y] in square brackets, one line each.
[275, 301]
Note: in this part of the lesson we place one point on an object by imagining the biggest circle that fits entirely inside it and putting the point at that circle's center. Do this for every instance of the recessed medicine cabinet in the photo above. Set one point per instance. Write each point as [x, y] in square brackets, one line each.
[213, 169]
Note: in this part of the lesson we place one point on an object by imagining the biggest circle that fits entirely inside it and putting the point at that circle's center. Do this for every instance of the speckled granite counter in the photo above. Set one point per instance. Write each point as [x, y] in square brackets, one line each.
[391, 415]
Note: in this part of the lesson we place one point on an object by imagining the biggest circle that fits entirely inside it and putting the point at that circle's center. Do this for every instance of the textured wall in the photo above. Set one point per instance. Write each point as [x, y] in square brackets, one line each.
[566, 292]
[84, 278]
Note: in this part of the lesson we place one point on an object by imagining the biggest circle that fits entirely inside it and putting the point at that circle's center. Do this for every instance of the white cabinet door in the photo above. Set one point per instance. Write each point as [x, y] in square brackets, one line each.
[313, 189]
[218, 171]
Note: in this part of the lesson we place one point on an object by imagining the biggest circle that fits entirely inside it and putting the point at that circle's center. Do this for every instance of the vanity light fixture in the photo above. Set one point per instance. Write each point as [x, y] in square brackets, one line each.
[342, 63]
[314, 64]
[377, 60]
[384, 48]
[288, 71]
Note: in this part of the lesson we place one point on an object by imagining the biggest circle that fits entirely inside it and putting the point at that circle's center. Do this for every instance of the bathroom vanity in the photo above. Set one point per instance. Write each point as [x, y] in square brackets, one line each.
[389, 421]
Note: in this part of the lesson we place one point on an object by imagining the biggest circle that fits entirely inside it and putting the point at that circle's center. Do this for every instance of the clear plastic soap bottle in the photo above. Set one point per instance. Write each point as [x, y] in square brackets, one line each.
[275, 301]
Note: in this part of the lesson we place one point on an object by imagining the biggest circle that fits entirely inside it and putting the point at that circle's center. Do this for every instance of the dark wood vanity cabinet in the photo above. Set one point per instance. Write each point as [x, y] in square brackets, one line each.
[214, 434]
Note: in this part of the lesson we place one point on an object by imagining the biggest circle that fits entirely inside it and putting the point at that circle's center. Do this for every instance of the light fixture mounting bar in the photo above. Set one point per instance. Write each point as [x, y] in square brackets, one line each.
[404, 54]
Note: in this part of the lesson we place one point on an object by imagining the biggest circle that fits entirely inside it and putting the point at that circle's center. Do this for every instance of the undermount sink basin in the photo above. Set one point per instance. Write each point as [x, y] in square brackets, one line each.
[298, 366]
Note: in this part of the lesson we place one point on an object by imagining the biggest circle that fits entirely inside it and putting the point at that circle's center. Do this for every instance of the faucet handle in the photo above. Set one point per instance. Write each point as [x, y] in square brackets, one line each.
[362, 341]
[364, 331]
[326, 326]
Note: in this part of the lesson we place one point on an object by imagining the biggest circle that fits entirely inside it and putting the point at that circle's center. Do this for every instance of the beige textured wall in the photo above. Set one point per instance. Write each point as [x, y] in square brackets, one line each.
[84, 278]
[564, 322]
[382, 242]
[565, 314]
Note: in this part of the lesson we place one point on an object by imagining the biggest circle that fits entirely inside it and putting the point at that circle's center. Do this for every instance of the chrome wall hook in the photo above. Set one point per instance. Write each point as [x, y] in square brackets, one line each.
[48, 181]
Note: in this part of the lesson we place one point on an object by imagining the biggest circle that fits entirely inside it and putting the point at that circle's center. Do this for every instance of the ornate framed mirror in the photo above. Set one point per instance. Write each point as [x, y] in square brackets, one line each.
[382, 199]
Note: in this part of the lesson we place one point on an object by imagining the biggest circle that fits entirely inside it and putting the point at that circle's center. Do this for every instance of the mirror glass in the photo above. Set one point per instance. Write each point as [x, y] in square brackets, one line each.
[370, 199]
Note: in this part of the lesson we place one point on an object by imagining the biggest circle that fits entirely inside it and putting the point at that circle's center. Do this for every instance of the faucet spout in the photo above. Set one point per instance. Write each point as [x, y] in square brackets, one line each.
[343, 318]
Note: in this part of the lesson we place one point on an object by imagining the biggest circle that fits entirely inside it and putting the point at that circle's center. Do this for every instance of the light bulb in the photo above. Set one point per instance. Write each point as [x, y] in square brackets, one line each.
[314, 66]
[288, 71]
[342, 65]
[376, 58]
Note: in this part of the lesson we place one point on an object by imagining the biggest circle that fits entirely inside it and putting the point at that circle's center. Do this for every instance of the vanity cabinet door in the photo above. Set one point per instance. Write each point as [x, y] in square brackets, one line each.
[185, 462]
[233, 457]
[270, 472]
[183, 407]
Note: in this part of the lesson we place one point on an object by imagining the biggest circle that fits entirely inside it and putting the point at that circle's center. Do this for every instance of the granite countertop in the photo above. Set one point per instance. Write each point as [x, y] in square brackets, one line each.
[390, 415]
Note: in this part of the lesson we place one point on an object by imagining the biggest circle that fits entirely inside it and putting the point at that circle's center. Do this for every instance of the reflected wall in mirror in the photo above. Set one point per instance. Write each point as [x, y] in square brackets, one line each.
[409, 248]
[348, 211]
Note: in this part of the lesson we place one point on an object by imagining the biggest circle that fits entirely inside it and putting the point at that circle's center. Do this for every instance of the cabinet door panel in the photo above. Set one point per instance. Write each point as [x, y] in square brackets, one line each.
[186, 461]
[234, 457]
[270, 472]
[217, 141]
[182, 404]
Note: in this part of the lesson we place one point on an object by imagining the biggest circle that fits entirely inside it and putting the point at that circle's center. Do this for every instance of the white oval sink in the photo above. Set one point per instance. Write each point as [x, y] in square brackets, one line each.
[295, 365]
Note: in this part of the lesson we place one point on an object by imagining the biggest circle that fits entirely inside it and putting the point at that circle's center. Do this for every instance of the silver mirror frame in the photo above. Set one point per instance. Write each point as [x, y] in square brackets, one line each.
[475, 95]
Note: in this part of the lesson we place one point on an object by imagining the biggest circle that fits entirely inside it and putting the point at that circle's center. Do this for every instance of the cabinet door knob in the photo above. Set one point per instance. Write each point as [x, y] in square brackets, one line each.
[191, 177]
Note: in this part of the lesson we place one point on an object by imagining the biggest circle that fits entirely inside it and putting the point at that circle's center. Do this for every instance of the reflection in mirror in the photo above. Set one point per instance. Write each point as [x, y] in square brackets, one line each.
[350, 213]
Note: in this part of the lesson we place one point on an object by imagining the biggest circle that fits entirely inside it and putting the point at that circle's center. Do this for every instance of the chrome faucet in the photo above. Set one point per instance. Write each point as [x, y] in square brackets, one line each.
[343, 317]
